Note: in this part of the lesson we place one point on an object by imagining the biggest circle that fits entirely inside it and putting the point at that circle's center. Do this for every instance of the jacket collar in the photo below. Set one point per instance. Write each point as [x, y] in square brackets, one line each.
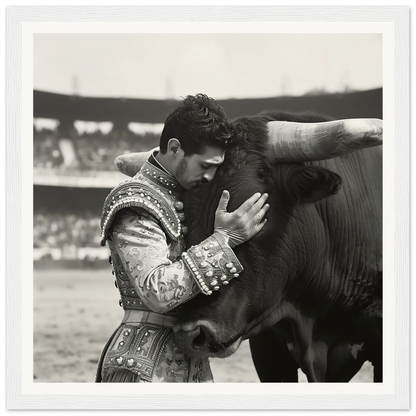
[156, 173]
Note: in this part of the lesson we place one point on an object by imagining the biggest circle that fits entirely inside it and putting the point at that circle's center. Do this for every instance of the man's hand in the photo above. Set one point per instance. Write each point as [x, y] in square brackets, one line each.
[245, 222]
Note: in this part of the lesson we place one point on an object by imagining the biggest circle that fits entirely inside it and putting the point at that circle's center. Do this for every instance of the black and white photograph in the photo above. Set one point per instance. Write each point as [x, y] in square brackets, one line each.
[77, 137]
[210, 204]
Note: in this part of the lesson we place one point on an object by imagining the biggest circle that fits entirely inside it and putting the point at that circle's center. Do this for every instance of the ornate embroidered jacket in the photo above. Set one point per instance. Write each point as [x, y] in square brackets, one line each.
[142, 222]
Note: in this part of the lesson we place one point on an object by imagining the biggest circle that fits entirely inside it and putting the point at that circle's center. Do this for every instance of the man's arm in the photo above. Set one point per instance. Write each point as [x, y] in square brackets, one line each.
[163, 284]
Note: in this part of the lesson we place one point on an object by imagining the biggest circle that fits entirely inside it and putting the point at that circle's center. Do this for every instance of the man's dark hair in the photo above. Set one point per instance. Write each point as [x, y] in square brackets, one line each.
[198, 121]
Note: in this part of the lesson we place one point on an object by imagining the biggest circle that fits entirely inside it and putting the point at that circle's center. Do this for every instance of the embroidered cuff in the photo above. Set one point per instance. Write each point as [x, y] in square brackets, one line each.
[212, 263]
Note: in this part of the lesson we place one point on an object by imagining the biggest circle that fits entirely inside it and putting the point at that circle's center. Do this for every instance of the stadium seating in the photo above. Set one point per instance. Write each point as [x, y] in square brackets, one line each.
[58, 230]
[87, 151]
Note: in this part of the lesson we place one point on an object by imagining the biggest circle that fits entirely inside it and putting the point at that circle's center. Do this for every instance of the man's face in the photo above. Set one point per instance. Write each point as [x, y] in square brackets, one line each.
[197, 169]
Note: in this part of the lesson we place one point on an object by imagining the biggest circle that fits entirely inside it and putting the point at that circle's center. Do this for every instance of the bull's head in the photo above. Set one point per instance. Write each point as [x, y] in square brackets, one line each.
[215, 325]
[262, 159]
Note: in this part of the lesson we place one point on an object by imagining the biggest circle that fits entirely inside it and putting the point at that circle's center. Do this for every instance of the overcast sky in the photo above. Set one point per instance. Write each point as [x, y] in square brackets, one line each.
[223, 66]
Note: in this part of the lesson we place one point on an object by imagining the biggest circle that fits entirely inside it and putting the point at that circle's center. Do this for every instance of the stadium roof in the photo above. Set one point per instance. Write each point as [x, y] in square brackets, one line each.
[364, 104]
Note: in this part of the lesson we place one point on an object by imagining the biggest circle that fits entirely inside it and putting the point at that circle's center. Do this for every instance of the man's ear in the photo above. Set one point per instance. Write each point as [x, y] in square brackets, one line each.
[174, 146]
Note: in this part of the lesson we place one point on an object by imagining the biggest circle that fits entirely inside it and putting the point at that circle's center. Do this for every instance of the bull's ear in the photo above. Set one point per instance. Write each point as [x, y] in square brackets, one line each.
[310, 184]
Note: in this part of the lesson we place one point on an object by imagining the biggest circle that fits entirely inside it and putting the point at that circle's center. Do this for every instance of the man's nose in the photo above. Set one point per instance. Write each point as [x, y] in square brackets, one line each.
[209, 176]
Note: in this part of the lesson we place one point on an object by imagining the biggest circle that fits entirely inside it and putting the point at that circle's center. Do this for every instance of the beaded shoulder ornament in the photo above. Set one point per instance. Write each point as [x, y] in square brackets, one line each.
[134, 193]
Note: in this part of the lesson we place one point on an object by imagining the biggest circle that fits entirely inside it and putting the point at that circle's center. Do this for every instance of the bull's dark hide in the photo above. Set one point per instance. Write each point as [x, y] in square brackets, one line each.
[310, 294]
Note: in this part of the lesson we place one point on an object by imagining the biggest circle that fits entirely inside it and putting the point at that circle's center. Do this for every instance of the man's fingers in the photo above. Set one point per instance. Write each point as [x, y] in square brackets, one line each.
[258, 207]
[260, 215]
[260, 204]
[261, 225]
[249, 203]
[223, 203]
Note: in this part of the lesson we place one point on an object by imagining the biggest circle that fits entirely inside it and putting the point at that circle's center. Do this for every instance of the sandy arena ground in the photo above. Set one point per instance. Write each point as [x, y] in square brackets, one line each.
[75, 311]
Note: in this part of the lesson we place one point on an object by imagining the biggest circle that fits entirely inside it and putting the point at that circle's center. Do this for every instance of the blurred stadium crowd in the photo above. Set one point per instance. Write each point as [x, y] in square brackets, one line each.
[86, 151]
[60, 230]
[75, 234]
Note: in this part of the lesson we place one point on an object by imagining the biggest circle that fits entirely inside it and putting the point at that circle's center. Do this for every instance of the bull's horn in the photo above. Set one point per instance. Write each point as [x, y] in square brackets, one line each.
[301, 142]
[130, 163]
[297, 142]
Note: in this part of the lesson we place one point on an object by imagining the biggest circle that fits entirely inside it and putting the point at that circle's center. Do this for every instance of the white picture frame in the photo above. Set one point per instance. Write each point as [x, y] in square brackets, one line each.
[395, 395]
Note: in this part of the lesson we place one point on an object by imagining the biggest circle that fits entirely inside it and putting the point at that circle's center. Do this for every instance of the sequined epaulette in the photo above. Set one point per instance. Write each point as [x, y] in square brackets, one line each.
[136, 194]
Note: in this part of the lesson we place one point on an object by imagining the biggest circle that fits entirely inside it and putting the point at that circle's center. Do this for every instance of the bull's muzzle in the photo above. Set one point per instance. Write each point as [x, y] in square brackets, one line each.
[204, 339]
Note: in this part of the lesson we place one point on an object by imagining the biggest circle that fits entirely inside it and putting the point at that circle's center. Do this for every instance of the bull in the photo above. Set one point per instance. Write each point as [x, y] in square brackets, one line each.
[310, 296]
